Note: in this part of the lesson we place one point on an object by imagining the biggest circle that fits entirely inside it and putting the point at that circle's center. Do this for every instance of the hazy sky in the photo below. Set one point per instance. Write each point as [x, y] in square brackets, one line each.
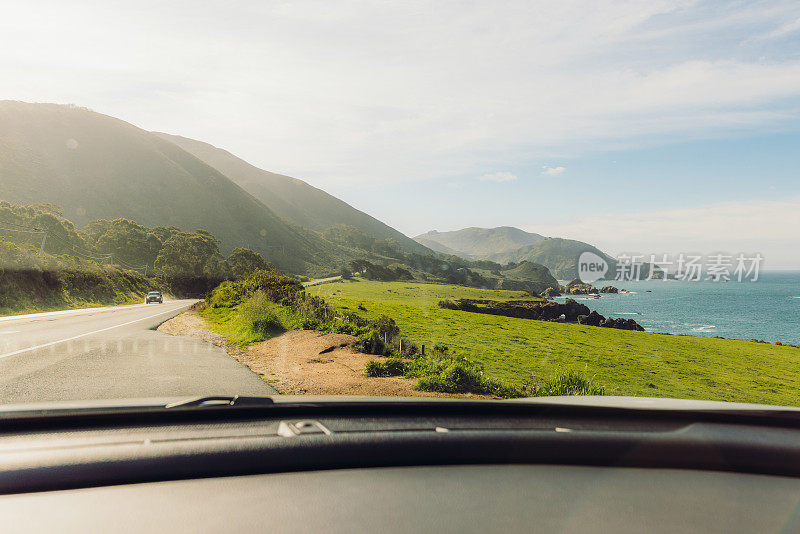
[642, 126]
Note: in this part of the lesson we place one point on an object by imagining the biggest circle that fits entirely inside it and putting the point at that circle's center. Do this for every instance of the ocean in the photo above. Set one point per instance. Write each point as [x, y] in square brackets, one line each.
[767, 309]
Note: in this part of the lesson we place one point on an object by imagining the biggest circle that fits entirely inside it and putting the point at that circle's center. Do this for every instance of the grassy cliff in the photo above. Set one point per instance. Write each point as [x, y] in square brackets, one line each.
[625, 363]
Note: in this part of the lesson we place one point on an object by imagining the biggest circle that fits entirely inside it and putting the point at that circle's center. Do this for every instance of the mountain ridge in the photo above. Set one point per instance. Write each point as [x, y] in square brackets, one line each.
[559, 255]
[480, 243]
[292, 199]
[96, 166]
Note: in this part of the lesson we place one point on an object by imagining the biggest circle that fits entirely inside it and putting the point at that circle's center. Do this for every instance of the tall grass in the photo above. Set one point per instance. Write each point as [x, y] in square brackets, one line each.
[256, 319]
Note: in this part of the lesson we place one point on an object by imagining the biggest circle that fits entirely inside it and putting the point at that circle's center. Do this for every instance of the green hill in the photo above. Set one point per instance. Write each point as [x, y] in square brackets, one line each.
[481, 243]
[292, 199]
[99, 167]
[435, 246]
[532, 272]
[558, 255]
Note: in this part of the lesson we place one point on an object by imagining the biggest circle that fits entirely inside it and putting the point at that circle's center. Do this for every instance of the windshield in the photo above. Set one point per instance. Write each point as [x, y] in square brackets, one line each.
[400, 199]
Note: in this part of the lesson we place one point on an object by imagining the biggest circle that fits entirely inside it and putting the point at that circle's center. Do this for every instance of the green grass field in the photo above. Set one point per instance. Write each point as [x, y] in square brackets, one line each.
[626, 363]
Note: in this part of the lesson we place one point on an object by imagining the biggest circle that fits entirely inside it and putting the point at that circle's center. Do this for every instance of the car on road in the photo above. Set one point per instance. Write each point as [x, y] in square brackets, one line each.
[154, 296]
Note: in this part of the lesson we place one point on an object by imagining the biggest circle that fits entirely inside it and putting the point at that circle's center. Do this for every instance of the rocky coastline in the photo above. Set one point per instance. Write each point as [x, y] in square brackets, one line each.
[568, 311]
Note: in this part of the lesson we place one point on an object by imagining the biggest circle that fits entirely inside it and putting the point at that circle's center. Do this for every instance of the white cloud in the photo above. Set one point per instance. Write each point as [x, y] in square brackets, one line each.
[767, 227]
[368, 92]
[786, 29]
[498, 177]
[552, 171]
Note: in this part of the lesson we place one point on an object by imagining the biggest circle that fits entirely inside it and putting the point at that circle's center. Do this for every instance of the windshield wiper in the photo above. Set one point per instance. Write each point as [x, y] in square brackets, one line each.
[221, 400]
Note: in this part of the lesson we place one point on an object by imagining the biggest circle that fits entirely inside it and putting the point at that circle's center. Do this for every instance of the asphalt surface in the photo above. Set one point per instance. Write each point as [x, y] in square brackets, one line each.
[320, 281]
[113, 353]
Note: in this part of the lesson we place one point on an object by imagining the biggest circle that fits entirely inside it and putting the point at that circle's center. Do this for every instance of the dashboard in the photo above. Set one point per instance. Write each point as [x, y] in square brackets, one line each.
[390, 466]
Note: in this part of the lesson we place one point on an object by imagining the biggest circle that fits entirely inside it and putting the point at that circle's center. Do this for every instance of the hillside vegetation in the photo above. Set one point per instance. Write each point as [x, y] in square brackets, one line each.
[480, 243]
[559, 255]
[623, 362]
[98, 167]
[31, 283]
[44, 252]
[290, 198]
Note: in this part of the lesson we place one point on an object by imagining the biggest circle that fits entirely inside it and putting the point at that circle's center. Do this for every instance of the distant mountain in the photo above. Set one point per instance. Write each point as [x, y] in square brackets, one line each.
[290, 198]
[95, 166]
[558, 255]
[480, 243]
[437, 247]
[507, 244]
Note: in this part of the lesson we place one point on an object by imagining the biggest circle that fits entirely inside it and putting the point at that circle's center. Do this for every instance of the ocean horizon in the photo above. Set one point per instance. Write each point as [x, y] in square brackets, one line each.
[767, 309]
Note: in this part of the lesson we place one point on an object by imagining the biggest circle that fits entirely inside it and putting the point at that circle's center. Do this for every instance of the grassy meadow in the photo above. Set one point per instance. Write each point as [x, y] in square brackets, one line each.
[624, 362]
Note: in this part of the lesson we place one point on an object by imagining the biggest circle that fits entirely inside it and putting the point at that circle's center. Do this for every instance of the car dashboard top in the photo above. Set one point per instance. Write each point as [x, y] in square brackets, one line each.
[370, 464]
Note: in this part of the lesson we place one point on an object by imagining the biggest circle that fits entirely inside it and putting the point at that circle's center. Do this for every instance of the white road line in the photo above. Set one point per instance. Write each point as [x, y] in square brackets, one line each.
[20, 351]
[65, 313]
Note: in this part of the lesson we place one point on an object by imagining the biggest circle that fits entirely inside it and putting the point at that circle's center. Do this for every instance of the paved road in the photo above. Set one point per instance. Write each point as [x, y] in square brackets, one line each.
[320, 281]
[113, 353]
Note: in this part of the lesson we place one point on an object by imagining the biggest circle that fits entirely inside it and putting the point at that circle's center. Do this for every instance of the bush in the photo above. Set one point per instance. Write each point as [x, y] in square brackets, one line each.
[227, 295]
[455, 378]
[275, 285]
[310, 324]
[569, 383]
[448, 305]
[386, 326]
[389, 367]
[372, 343]
[266, 325]
[259, 315]
[339, 327]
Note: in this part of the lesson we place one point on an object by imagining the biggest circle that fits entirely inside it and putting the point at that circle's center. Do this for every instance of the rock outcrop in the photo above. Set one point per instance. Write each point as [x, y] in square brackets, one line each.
[595, 319]
[521, 309]
[551, 292]
[569, 311]
[576, 287]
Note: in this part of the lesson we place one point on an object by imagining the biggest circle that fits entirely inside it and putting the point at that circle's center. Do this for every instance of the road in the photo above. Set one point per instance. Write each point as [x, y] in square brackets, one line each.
[113, 353]
[320, 281]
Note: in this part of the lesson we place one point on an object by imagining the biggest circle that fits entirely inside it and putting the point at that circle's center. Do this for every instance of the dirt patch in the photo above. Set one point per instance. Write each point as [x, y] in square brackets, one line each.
[190, 324]
[305, 362]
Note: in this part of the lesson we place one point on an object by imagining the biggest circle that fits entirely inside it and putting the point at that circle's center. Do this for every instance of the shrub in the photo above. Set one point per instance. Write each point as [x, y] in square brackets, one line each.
[344, 328]
[372, 343]
[227, 295]
[569, 383]
[389, 367]
[386, 326]
[266, 325]
[448, 305]
[441, 348]
[455, 378]
[309, 324]
[258, 314]
[275, 285]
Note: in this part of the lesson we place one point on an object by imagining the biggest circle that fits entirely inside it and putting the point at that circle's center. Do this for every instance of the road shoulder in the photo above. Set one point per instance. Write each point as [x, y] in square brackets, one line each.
[304, 362]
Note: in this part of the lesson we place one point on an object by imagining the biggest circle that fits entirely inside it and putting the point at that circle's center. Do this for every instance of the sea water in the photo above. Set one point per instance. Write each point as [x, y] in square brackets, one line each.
[767, 309]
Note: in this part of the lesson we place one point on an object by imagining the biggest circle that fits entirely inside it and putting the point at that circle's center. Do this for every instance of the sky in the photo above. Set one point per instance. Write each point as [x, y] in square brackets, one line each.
[639, 126]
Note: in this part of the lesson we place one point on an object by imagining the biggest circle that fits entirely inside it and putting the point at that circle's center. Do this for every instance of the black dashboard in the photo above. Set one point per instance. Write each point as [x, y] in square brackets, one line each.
[388, 465]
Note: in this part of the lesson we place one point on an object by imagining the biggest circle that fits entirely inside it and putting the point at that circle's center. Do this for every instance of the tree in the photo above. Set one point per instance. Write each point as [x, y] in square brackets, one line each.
[243, 262]
[190, 254]
[129, 242]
